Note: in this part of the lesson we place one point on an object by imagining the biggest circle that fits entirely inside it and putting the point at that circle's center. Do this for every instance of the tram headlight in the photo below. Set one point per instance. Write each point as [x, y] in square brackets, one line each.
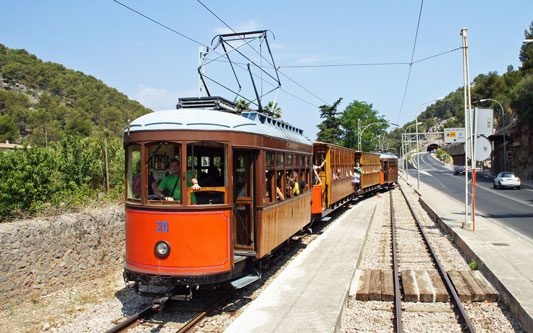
[162, 249]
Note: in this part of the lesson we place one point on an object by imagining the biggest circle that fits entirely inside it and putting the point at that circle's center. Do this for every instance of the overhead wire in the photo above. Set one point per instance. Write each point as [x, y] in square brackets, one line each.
[161, 24]
[411, 62]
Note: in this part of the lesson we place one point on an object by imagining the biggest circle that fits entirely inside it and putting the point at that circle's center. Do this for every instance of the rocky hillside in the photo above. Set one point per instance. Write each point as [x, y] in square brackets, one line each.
[42, 101]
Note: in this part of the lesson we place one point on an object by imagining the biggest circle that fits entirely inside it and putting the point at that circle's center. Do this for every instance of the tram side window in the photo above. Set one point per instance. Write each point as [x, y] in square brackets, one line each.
[270, 190]
[280, 186]
[133, 172]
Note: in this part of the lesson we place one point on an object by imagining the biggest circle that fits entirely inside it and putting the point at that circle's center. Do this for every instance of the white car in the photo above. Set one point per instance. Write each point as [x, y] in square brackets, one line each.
[507, 179]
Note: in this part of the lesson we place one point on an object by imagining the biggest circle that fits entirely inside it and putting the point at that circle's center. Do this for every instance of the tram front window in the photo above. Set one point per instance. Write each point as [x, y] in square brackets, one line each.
[207, 162]
[162, 169]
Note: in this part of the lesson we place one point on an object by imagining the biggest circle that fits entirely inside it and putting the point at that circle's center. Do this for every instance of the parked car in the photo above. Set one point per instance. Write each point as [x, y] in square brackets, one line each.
[457, 169]
[507, 179]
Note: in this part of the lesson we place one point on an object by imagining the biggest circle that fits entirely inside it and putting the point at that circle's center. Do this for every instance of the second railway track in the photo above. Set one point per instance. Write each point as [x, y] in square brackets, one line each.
[424, 301]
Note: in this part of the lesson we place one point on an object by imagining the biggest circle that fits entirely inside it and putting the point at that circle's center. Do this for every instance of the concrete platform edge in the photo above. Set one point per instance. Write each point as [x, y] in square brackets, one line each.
[338, 325]
[506, 296]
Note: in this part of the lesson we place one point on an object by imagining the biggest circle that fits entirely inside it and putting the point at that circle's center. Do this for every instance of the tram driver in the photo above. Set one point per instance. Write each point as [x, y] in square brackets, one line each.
[172, 183]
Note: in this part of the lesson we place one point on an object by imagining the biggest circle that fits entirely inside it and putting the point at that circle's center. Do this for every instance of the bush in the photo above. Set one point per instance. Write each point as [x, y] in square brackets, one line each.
[68, 174]
[443, 156]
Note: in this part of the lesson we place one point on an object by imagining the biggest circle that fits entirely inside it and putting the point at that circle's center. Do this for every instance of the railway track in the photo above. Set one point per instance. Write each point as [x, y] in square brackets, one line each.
[457, 305]
[412, 278]
[147, 313]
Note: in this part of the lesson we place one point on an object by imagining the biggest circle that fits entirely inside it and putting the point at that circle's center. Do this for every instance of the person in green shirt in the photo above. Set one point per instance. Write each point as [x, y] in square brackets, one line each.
[172, 184]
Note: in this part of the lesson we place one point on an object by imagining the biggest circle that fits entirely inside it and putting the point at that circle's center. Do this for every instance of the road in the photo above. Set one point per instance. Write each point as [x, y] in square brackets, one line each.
[509, 207]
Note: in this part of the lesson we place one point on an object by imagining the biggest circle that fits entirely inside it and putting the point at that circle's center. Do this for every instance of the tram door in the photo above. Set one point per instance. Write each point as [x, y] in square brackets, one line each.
[243, 193]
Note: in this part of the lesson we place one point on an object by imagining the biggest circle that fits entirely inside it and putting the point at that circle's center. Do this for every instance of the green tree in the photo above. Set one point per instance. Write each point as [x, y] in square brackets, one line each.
[330, 128]
[526, 51]
[363, 112]
[8, 128]
[522, 98]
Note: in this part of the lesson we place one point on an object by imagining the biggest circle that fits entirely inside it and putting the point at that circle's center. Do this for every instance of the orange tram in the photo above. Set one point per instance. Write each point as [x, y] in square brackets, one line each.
[244, 183]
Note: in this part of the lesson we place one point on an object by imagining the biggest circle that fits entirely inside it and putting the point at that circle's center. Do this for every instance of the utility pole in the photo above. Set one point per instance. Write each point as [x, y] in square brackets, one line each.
[359, 132]
[468, 146]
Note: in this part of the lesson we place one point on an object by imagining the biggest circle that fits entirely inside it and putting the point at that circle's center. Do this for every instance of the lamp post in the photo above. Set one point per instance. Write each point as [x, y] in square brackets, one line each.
[360, 131]
[417, 153]
[406, 162]
[503, 125]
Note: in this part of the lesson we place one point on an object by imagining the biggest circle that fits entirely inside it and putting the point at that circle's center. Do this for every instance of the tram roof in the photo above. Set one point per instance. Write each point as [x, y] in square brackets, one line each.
[213, 120]
[387, 155]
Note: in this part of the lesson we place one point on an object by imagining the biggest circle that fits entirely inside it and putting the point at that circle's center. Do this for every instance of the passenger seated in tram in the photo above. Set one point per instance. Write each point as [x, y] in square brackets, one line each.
[172, 182]
[212, 179]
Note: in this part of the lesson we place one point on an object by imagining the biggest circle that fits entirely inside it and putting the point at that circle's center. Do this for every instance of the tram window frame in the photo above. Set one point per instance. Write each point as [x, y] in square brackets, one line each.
[133, 162]
[213, 155]
[269, 195]
[158, 155]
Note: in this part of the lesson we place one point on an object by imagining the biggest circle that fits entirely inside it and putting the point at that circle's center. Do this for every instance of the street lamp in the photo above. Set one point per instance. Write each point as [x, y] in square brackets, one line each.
[417, 153]
[503, 125]
[407, 163]
[360, 131]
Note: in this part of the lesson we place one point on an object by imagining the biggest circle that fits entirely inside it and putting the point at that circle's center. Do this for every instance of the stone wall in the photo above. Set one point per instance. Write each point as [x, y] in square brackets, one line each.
[40, 256]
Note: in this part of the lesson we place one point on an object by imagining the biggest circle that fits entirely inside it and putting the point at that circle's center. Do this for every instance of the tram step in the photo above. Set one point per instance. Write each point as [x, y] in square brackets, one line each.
[245, 253]
[244, 281]
[237, 259]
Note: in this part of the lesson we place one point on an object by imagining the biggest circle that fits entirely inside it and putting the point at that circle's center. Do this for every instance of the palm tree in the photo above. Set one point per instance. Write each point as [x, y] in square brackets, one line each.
[242, 105]
[274, 108]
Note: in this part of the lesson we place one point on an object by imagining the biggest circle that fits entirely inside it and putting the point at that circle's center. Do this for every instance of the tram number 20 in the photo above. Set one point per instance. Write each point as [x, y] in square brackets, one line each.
[162, 226]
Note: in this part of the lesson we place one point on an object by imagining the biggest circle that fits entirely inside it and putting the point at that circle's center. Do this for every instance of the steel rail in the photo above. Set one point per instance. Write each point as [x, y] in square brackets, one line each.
[397, 295]
[132, 319]
[449, 287]
[190, 325]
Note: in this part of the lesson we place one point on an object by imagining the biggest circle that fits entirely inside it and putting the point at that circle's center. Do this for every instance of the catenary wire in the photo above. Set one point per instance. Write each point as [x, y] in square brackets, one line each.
[411, 62]
[161, 24]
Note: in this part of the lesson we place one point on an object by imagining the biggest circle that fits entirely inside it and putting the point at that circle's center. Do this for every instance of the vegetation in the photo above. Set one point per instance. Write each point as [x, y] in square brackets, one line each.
[371, 125]
[43, 101]
[330, 128]
[443, 156]
[274, 108]
[67, 174]
[64, 115]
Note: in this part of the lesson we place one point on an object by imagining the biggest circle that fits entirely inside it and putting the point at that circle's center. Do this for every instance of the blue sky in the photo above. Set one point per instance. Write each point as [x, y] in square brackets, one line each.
[155, 66]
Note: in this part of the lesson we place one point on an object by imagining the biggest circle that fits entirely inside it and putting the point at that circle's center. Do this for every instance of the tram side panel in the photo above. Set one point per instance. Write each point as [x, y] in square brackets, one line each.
[280, 221]
[341, 188]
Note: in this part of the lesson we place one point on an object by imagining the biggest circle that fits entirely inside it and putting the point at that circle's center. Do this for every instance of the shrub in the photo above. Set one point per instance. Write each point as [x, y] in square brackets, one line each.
[67, 174]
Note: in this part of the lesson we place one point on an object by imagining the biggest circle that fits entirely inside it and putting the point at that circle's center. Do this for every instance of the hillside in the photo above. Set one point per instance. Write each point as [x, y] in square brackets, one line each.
[42, 101]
